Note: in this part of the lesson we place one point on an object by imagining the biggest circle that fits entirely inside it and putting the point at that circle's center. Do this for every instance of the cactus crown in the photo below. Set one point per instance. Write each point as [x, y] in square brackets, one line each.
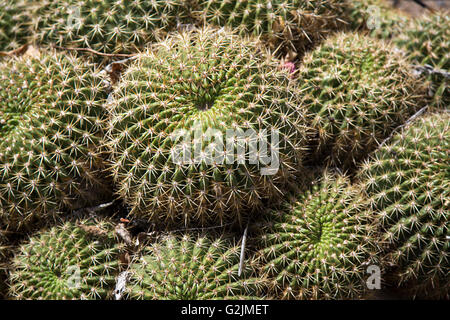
[408, 182]
[76, 260]
[358, 89]
[316, 247]
[190, 268]
[109, 26]
[50, 119]
[202, 86]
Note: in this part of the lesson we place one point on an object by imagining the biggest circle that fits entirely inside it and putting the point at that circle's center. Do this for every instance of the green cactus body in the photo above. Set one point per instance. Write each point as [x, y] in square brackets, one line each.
[190, 268]
[295, 24]
[408, 181]
[358, 89]
[109, 26]
[319, 246]
[76, 260]
[376, 17]
[13, 20]
[51, 118]
[427, 40]
[187, 96]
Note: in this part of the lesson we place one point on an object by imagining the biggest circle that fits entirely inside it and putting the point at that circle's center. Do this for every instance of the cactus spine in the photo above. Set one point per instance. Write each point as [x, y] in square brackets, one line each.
[316, 246]
[203, 87]
[76, 260]
[51, 118]
[358, 89]
[292, 24]
[191, 268]
[13, 18]
[427, 40]
[408, 182]
[111, 26]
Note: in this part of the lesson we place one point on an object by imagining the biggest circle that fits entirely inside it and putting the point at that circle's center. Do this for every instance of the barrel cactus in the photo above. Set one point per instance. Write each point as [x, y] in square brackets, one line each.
[51, 119]
[109, 26]
[13, 19]
[319, 245]
[408, 182]
[191, 267]
[292, 24]
[427, 40]
[358, 89]
[203, 128]
[76, 260]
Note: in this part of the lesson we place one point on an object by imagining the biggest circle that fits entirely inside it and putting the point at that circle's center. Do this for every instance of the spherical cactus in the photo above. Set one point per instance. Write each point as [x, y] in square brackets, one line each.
[320, 245]
[358, 90]
[191, 268]
[294, 24]
[51, 118]
[109, 26]
[13, 18]
[408, 182]
[204, 128]
[76, 260]
[427, 40]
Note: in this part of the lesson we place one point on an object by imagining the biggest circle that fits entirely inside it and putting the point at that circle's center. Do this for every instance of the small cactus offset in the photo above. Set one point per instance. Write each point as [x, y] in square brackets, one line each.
[51, 119]
[357, 89]
[319, 245]
[427, 40]
[76, 260]
[13, 19]
[292, 24]
[408, 182]
[191, 268]
[179, 116]
[111, 26]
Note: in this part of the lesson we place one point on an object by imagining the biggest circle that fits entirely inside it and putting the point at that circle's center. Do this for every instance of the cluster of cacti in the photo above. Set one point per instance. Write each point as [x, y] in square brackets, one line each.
[244, 149]
[427, 40]
[319, 245]
[408, 182]
[77, 260]
[13, 21]
[188, 119]
[109, 26]
[51, 119]
[358, 89]
[191, 267]
[294, 24]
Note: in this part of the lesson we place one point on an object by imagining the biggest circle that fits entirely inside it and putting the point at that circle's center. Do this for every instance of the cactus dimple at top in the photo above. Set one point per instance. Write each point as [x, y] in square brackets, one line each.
[317, 246]
[50, 124]
[293, 23]
[408, 181]
[109, 26]
[185, 118]
[12, 24]
[190, 268]
[358, 89]
[77, 260]
[427, 40]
